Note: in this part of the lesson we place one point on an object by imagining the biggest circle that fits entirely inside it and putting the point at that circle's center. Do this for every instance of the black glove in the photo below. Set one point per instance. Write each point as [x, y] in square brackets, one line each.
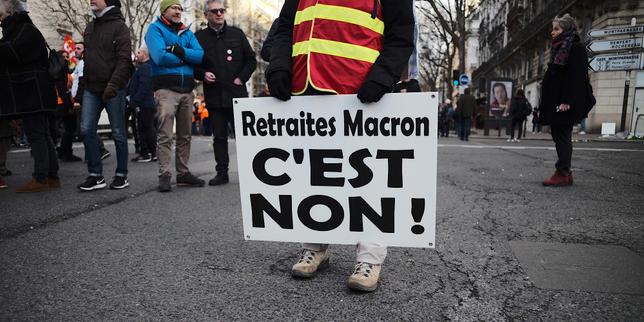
[372, 92]
[279, 85]
[110, 92]
[176, 50]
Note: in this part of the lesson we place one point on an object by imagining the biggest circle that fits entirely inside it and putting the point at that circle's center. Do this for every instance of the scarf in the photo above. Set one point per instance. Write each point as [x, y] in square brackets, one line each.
[560, 49]
[178, 26]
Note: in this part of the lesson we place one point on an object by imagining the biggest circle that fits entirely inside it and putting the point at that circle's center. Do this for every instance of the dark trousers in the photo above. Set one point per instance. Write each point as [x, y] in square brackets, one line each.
[67, 139]
[464, 128]
[147, 131]
[516, 123]
[131, 116]
[220, 118]
[562, 135]
[42, 146]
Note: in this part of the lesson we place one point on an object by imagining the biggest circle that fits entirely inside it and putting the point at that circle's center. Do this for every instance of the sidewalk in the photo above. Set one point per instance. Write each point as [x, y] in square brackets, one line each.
[544, 136]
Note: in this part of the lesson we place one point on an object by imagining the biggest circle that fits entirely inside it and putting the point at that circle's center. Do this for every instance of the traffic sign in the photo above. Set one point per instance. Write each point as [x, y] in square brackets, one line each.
[616, 62]
[617, 44]
[464, 79]
[616, 31]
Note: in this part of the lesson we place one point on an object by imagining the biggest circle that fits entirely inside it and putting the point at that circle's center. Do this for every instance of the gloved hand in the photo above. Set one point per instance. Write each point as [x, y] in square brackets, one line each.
[110, 92]
[176, 50]
[279, 85]
[372, 92]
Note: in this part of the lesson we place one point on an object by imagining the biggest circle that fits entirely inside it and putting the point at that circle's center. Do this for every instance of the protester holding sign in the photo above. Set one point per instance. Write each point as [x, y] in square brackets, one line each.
[327, 58]
[566, 99]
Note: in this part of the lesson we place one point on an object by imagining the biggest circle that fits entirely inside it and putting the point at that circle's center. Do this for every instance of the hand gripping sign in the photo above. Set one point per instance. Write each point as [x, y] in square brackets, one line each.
[328, 169]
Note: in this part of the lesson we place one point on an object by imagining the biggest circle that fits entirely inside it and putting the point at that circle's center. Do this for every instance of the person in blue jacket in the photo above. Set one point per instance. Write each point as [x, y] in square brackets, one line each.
[174, 51]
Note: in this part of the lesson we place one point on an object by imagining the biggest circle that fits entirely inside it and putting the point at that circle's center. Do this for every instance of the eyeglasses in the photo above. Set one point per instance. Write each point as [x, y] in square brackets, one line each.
[220, 11]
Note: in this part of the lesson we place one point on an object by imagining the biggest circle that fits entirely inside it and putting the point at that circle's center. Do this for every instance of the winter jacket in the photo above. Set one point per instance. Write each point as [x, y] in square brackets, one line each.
[397, 47]
[140, 88]
[168, 70]
[25, 84]
[466, 106]
[108, 52]
[518, 107]
[228, 55]
[565, 84]
[267, 46]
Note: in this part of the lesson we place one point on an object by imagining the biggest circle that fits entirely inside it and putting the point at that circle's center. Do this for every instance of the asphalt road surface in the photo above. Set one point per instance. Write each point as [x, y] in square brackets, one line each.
[136, 254]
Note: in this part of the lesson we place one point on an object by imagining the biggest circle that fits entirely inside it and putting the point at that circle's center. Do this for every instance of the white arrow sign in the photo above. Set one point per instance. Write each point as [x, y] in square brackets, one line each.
[616, 31]
[616, 62]
[618, 44]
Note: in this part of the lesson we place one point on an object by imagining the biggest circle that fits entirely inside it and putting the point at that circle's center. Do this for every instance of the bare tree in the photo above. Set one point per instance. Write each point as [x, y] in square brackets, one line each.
[75, 14]
[437, 50]
[451, 16]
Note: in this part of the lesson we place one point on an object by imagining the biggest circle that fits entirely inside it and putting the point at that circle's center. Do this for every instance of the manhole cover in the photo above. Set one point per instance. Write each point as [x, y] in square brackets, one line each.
[613, 269]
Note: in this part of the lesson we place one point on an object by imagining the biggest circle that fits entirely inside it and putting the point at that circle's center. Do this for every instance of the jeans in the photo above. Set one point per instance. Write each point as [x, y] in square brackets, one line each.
[221, 117]
[562, 136]
[464, 128]
[92, 106]
[42, 146]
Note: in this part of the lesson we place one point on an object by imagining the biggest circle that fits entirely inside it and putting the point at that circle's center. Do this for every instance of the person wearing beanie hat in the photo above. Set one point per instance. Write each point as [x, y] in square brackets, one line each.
[174, 51]
[165, 4]
[106, 73]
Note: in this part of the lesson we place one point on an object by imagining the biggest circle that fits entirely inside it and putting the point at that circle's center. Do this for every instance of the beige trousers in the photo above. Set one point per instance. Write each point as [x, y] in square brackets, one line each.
[371, 253]
[172, 105]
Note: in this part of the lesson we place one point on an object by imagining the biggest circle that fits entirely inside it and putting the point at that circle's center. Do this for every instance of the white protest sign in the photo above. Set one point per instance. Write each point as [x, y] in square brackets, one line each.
[329, 169]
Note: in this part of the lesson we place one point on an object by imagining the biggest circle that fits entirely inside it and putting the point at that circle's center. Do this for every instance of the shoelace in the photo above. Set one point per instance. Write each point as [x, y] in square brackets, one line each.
[307, 255]
[363, 269]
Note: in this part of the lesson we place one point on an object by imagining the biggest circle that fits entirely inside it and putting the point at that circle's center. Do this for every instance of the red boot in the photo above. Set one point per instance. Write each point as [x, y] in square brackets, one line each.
[559, 180]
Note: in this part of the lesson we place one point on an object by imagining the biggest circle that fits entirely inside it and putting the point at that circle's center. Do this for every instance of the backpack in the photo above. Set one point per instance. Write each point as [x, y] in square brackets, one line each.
[527, 109]
[57, 68]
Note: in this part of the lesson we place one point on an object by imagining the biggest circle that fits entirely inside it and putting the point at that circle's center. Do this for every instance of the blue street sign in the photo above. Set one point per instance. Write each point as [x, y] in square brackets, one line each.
[465, 80]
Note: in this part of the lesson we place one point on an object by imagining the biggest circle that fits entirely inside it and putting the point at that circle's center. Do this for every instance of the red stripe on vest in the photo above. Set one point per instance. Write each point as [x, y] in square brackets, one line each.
[302, 32]
[345, 77]
[347, 33]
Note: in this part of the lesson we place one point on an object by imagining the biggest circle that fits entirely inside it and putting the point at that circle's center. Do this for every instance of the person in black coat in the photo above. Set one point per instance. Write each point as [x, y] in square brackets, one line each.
[564, 96]
[27, 91]
[142, 100]
[228, 63]
[518, 108]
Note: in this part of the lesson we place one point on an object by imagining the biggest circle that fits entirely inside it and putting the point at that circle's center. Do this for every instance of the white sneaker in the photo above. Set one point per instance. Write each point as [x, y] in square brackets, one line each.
[582, 133]
[517, 140]
[509, 140]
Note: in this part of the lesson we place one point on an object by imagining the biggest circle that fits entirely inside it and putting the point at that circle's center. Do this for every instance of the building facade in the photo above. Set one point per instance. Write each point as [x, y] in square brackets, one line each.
[514, 39]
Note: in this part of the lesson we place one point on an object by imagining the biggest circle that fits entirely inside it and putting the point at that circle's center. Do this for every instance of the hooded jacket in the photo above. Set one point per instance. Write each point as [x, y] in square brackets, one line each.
[108, 52]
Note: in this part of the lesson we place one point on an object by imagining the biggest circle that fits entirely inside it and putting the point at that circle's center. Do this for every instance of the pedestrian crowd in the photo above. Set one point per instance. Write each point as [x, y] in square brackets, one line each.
[157, 98]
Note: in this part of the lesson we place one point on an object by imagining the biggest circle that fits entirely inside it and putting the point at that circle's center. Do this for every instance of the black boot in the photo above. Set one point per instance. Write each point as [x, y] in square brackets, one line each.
[219, 179]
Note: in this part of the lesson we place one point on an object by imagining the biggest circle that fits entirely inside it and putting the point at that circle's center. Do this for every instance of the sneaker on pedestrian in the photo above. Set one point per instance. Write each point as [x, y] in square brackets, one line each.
[365, 277]
[582, 132]
[3, 184]
[143, 158]
[105, 154]
[510, 140]
[164, 184]
[93, 183]
[154, 157]
[219, 179]
[33, 186]
[188, 179]
[119, 182]
[517, 141]
[559, 179]
[310, 263]
[54, 183]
